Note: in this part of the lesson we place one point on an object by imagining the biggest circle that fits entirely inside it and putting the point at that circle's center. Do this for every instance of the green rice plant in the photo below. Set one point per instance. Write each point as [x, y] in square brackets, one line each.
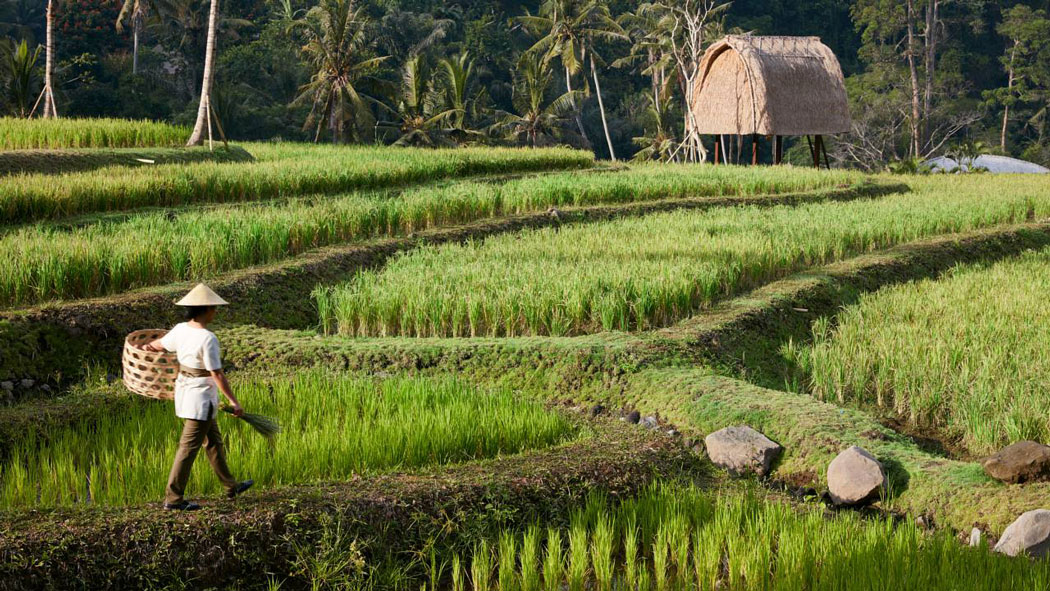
[282, 171]
[661, 562]
[647, 272]
[630, 554]
[967, 354]
[771, 545]
[32, 134]
[51, 261]
[457, 574]
[396, 424]
[553, 561]
[481, 567]
[579, 561]
[507, 549]
[530, 557]
[602, 553]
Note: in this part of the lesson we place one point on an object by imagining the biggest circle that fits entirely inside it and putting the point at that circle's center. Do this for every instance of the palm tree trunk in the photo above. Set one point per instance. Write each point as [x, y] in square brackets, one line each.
[135, 48]
[49, 60]
[1009, 90]
[915, 112]
[601, 109]
[197, 137]
[576, 110]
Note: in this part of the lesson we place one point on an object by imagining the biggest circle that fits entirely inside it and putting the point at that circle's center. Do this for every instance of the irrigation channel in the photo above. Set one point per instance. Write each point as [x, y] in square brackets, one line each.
[493, 445]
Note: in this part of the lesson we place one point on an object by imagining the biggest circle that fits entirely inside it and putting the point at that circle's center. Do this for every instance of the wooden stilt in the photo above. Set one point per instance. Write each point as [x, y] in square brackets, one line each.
[754, 149]
[824, 149]
[717, 145]
[813, 152]
[778, 149]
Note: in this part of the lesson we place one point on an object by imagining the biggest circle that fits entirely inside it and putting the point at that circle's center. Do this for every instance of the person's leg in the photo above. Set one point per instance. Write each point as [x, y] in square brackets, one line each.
[193, 435]
[217, 456]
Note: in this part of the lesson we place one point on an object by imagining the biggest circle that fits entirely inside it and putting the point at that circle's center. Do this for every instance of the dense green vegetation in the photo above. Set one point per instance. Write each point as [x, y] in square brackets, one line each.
[965, 354]
[54, 261]
[332, 427]
[676, 538]
[279, 171]
[560, 281]
[923, 78]
[20, 134]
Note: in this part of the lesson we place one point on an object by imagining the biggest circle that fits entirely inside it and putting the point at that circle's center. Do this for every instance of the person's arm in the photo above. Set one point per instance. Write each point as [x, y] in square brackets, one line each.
[156, 346]
[224, 386]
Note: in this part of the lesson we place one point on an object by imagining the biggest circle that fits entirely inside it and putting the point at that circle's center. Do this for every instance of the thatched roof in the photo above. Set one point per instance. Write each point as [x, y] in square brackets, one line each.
[770, 86]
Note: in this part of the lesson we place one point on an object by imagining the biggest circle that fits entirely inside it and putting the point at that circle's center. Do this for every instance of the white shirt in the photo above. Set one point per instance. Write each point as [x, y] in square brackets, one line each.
[195, 398]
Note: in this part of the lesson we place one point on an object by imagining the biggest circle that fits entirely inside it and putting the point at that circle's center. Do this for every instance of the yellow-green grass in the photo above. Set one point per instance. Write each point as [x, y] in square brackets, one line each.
[677, 538]
[968, 354]
[48, 261]
[280, 170]
[32, 134]
[332, 427]
[646, 272]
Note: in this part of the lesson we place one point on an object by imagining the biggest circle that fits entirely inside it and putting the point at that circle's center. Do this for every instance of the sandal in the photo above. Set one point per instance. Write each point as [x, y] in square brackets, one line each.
[183, 506]
[240, 488]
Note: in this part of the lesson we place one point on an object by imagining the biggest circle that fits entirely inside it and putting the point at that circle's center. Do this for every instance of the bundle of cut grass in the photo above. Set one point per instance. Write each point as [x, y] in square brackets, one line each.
[261, 424]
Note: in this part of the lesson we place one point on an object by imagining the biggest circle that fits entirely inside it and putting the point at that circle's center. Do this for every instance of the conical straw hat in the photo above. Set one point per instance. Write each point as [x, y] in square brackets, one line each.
[202, 295]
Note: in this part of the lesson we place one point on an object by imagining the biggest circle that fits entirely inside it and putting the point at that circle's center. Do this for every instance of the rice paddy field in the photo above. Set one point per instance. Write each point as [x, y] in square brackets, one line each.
[440, 428]
[32, 134]
[676, 538]
[85, 258]
[965, 354]
[591, 278]
[331, 429]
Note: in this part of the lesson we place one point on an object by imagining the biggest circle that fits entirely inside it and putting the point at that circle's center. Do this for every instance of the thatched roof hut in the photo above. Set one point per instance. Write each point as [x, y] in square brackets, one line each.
[770, 86]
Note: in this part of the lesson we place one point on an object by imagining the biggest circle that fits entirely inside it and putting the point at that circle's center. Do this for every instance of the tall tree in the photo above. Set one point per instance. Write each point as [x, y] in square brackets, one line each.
[338, 50]
[571, 30]
[1027, 64]
[135, 11]
[203, 123]
[538, 122]
[47, 95]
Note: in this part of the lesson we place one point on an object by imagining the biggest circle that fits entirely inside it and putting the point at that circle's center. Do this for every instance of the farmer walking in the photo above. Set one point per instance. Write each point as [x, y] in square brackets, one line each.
[196, 398]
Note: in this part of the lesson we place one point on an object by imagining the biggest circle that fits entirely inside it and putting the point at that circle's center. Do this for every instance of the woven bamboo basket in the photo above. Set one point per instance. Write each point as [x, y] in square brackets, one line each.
[146, 372]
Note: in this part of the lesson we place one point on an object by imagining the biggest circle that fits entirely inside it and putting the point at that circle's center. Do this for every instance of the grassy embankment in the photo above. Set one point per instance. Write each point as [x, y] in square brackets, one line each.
[965, 355]
[332, 427]
[54, 162]
[636, 274]
[52, 261]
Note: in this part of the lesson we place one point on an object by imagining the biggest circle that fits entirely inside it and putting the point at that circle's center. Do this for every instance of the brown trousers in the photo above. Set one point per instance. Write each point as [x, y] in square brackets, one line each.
[195, 434]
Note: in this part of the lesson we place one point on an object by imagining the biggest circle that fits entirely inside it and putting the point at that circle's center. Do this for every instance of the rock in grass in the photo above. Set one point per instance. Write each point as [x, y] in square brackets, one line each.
[1029, 535]
[855, 478]
[742, 450]
[7, 386]
[634, 417]
[975, 537]
[1023, 461]
[650, 423]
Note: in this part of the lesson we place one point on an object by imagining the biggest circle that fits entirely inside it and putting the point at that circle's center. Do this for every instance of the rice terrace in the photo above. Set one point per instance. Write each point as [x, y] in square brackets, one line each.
[559, 295]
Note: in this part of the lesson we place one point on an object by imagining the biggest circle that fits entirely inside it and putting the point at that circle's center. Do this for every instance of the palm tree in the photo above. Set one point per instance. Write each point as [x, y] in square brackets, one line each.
[422, 119]
[458, 85]
[572, 28]
[537, 122]
[20, 64]
[136, 11]
[660, 143]
[337, 46]
[204, 108]
[47, 94]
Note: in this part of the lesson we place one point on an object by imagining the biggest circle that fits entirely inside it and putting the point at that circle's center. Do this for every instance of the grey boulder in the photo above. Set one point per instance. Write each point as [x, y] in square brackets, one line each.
[742, 450]
[855, 478]
[1029, 534]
